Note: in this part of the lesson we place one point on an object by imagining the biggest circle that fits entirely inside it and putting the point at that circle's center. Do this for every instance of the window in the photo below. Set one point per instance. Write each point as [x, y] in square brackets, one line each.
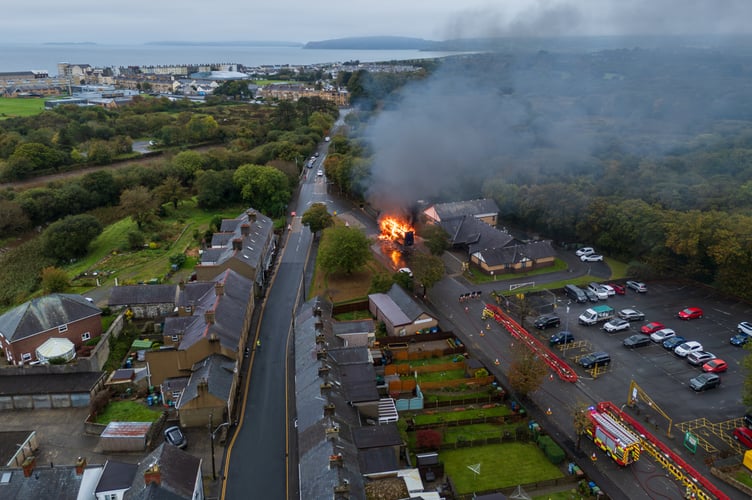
[85, 336]
[175, 338]
[26, 356]
[62, 328]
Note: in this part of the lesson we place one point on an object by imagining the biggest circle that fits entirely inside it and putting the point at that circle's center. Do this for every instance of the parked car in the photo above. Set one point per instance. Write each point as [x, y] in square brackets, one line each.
[319, 173]
[563, 337]
[618, 289]
[673, 342]
[547, 321]
[616, 325]
[593, 257]
[662, 335]
[575, 293]
[609, 289]
[704, 381]
[316, 154]
[636, 340]
[592, 296]
[597, 289]
[327, 139]
[594, 359]
[699, 358]
[175, 437]
[631, 315]
[584, 251]
[744, 327]
[652, 327]
[744, 436]
[683, 350]
[739, 339]
[637, 286]
[715, 365]
[690, 313]
[406, 270]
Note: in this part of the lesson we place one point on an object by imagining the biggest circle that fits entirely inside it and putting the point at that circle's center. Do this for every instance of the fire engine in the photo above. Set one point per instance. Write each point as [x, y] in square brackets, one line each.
[621, 444]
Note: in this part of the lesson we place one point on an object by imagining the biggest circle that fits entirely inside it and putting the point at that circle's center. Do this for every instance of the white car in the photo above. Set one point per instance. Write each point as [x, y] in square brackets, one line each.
[663, 334]
[319, 173]
[683, 350]
[593, 257]
[616, 325]
[744, 327]
[610, 290]
[598, 290]
[327, 139]
[584, 251]
[406, 270]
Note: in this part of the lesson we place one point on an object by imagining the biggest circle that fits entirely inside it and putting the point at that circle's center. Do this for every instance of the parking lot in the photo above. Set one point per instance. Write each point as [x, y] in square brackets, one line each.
[658, 371]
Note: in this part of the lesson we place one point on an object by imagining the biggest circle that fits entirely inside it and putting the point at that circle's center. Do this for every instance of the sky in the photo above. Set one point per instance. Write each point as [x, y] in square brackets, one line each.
[136, 21]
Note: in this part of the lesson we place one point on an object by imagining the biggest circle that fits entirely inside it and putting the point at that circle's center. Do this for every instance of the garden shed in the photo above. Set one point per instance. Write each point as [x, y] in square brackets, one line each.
[124, 436]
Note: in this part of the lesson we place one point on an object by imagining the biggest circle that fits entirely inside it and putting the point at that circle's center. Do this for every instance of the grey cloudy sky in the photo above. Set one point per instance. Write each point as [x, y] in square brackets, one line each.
[297, 20]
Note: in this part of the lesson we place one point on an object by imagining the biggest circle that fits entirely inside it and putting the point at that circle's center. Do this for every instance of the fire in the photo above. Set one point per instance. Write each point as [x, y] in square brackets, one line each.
[394, 228]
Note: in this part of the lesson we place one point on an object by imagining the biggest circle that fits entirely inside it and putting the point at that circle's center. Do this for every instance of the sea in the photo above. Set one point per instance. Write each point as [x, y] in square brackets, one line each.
[45, 57]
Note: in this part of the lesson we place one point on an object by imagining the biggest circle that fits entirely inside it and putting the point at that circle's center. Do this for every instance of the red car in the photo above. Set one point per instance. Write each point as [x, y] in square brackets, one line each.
[716, 365]
[744, 436]
[690, 313]
[652, 327]
[619, 289]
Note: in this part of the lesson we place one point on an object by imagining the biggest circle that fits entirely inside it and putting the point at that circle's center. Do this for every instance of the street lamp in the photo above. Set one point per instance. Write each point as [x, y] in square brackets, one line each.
[212, 435]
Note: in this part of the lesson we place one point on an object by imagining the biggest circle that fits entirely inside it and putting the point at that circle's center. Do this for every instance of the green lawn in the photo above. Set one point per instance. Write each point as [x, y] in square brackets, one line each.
[127, 411]
[11, 106]
[450, 416]
[456, 396]
[439, 376]
[501, 466]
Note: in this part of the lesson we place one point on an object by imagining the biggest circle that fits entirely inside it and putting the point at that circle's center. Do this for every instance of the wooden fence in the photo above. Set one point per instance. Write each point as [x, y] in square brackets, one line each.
[408, 384]
[407, 369]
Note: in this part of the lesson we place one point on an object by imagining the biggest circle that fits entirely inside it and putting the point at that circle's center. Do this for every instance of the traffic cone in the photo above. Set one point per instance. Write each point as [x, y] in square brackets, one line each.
[593, 457]
[496, 361]
[548, 411]
[551, 377]
[482, 334]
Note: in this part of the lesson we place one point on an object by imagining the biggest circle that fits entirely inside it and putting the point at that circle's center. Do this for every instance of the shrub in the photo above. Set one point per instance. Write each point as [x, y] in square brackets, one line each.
[428, 439]
[99, 402]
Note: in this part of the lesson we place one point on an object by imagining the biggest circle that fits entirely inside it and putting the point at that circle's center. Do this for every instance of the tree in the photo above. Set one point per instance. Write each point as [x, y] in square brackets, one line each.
[215, 189]
[428, 439]
[54, 280]
[581, 421]
[380, 283]
[264, 188]
[427, 270]
[343, 249]
[12, 217]
[69, 238]
[526, 371]
[235, 89]
[317, 218]
[435, 238]
[138, 203]
[171, 191]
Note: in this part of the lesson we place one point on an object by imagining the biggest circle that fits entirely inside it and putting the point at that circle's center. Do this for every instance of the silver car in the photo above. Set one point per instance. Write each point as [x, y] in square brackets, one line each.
[616, 325]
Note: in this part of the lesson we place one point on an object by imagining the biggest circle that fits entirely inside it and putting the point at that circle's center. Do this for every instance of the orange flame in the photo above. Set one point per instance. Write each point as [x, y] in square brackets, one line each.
[394, 228]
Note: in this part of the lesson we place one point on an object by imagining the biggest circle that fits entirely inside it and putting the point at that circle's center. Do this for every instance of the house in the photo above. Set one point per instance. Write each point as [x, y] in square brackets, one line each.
[116, 478]
[399, 312]
[485, 210]
[355, 333]
[515, 258]
[31, 389]
[62, 482]
[213, 318]
[167, 473]
[209, 395]
[144, 301]
[25, 328]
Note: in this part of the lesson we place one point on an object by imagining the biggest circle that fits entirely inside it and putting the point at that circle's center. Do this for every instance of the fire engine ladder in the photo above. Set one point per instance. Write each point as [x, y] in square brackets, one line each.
[562, 369]
[615, 429]
[693, 481]
[635, 391]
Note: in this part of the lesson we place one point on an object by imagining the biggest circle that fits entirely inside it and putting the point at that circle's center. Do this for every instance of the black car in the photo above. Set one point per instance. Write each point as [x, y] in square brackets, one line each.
[592, 297]
[637, 340]
[595, 359]
[705, 381]
[547, 321]
[175, 437]
[563, 337]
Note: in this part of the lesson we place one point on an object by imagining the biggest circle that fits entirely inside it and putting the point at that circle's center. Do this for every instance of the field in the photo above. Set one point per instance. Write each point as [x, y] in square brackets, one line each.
[10, 107]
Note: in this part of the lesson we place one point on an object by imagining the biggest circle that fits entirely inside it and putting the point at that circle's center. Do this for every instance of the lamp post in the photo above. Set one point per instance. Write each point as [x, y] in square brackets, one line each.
[212, 434]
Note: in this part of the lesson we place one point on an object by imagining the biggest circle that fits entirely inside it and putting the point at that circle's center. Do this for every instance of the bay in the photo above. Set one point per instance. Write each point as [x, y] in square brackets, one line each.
[27, 57]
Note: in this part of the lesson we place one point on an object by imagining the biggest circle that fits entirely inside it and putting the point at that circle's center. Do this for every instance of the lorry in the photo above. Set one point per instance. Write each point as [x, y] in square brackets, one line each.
[596, 314]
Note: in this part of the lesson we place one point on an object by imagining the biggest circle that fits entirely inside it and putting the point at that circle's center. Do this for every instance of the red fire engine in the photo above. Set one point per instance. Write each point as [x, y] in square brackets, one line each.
[621, 444]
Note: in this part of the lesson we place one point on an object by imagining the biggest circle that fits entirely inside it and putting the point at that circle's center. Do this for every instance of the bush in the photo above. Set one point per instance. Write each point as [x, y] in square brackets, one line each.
[553, 452]
[98, 403]
[428, 439]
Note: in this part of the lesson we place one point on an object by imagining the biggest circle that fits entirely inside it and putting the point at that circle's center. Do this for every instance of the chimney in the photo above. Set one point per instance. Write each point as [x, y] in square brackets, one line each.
[219, 288]
[245, 229]
[251, 215]
[80, 466]
[237, 244]
[28, 465]
[152, 475]
[209, 317]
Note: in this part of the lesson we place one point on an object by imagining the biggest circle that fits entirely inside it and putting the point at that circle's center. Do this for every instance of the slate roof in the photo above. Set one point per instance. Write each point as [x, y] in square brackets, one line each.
[358, 382]
[347, 327]
[349, 355]
[179, 471]
[389, 309]
[131, 295]
[511, 255]
[472, 233]
[405, 302]
[59, 482]
[454, 209]
[44, 313]
[116, 476]
[48, 383]
[376, 436]
[218, 372]
[375, 460]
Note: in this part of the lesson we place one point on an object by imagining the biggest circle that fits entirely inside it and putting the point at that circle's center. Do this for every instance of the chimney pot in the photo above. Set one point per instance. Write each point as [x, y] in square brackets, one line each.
[28, 465]
[80, 465]
[153, 475]
[219, 288]
[209, 317]
[237, 244]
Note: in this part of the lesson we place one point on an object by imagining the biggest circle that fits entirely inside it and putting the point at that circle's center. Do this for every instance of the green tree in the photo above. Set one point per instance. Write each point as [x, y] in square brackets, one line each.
[138, 203]
[100, 153]
[317, 218]
[54, 280]
[171, 191]
[380, 283]
[265, 188]
[427, 270]
[435, 238]
[343, 249]
[526, 370]
[215, 189]
[12, 217]
[237, 89]
[69, 238]
[581, 421]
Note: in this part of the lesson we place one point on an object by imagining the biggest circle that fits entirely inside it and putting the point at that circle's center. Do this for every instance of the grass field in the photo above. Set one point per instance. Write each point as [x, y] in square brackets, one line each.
[530, 465]
[127, 411]
[10, 107]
